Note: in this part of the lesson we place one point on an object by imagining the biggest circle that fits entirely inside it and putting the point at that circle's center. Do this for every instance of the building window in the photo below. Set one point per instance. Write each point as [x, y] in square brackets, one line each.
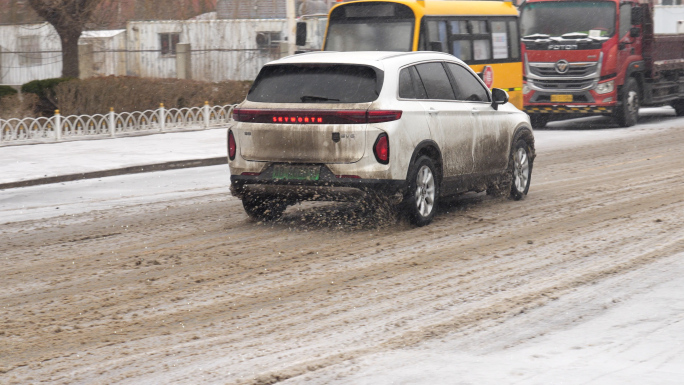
[168, 43]
[29, 51]
[268, 42]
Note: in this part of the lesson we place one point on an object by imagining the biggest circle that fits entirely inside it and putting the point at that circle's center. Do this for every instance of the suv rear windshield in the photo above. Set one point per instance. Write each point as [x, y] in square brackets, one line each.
[316, 83]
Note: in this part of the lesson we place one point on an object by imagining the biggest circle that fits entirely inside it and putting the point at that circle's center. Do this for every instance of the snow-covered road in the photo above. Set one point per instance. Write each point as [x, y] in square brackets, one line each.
[161, 278]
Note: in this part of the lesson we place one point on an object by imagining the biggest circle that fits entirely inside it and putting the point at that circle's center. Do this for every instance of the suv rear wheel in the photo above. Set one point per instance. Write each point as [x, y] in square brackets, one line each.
[423, 192]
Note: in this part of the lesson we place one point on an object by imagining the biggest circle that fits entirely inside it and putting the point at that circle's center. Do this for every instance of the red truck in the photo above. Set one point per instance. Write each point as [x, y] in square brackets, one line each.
[597, 57]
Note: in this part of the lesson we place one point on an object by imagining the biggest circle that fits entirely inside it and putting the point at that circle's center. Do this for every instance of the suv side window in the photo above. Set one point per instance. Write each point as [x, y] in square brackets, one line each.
[410, 86]
[406, 90]
[467, 86]
[436, 81]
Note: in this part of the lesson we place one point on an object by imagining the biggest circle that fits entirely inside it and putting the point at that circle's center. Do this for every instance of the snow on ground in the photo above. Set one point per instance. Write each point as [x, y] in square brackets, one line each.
[637, 339]
[70, 198]
[35, 161]
[576, 132]
[18, 163]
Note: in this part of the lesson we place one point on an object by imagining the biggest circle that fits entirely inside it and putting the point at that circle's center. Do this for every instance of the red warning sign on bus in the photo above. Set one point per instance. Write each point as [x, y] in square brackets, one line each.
[488, 76]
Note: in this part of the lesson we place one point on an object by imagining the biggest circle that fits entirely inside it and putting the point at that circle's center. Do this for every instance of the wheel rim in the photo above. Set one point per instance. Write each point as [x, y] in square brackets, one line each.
[522, 169]
[425, 191]
[632, 103]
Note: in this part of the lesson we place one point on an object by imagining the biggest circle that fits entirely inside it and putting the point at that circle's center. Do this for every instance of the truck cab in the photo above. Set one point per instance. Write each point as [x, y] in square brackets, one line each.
[598, 57]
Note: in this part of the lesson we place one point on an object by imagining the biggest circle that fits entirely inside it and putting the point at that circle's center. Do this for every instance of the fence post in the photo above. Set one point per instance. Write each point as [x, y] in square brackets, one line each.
[206, 114]
[58, 126]
[162, 118]
[112, 122]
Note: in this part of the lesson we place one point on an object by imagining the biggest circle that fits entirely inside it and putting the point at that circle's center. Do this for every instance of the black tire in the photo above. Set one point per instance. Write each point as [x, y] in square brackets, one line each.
[520, 169]
[678, 106]
[422, 197]
[263, 208]
[627, 114]
[539, 120]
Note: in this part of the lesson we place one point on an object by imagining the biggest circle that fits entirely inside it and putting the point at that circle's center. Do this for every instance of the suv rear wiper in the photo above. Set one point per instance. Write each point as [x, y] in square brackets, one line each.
[312, 98]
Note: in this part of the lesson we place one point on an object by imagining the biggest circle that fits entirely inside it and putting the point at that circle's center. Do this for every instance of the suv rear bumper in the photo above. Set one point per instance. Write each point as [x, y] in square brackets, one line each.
[325, 189]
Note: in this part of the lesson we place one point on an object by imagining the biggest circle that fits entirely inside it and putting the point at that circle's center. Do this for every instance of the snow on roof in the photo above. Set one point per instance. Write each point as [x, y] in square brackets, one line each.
[205, 16]
[104, 33]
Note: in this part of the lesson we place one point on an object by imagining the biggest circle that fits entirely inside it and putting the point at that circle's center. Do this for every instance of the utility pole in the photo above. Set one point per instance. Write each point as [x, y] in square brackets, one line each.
[290, 14]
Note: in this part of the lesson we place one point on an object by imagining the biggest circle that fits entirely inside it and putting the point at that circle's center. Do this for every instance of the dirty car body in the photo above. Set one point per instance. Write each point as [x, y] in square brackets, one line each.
[404, 126]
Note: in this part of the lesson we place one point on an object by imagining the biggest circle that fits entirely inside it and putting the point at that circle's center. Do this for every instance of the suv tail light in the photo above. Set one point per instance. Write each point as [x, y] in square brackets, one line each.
[315, 116]
[381, 149]
[231, 145]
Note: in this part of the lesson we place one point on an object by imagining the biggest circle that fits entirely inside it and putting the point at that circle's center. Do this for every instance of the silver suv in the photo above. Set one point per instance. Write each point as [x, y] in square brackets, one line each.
[410, 127]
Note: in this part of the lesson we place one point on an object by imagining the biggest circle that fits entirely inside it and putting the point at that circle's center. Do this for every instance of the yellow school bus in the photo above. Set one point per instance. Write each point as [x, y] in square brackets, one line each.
[484, 34]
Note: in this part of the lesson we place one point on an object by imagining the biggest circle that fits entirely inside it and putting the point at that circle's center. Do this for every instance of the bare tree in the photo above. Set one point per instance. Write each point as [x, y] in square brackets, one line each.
[69, 18]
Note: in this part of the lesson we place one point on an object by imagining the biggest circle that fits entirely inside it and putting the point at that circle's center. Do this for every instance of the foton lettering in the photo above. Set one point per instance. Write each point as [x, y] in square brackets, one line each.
[563, 46]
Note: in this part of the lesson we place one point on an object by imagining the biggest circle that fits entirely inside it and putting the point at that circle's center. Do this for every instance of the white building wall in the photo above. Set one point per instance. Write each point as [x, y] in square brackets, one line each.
[666, 18]
[109, 51]
[221, 49]
[29, 52]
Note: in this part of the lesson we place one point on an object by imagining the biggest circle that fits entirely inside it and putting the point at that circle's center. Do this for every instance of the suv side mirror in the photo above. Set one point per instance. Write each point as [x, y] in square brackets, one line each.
[301, 33]
[499, 96]
[634, 32]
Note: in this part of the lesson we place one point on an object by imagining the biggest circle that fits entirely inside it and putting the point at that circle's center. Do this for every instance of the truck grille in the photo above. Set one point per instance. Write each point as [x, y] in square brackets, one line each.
[575, 70]
[563, 84]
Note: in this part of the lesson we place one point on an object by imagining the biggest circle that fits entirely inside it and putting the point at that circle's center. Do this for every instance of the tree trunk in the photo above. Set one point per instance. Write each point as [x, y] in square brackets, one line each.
[70, 57]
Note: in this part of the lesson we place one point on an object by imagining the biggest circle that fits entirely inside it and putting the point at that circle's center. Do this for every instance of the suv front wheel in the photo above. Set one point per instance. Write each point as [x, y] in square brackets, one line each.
[520, 165]
[423, 192]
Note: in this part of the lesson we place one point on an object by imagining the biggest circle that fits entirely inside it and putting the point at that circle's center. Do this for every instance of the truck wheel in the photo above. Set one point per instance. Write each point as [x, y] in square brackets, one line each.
[628, 112]
[263, 208]
[539, 120]
[423, 192]
[678, 106]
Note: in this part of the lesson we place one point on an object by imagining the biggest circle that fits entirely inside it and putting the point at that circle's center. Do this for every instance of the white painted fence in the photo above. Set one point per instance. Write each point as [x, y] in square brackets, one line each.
[74, 127]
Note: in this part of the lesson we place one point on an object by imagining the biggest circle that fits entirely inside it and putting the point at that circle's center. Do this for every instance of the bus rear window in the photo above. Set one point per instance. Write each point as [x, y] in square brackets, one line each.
[316, 83]
[371, 26]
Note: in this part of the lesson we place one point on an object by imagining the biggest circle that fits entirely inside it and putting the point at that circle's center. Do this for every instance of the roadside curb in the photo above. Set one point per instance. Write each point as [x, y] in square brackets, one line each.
[118, 171]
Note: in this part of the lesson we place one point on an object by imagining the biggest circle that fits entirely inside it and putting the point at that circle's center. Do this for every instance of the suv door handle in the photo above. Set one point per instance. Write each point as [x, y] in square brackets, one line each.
[432, 111]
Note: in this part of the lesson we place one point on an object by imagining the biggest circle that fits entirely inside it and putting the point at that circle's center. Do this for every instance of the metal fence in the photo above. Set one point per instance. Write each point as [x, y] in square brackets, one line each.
[74, 127]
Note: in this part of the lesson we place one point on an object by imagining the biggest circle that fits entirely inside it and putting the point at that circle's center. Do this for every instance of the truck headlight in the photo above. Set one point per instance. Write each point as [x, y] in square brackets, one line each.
[604, 88]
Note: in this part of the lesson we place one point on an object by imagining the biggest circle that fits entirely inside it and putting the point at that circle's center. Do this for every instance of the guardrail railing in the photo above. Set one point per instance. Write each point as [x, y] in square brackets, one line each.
[73, 127]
